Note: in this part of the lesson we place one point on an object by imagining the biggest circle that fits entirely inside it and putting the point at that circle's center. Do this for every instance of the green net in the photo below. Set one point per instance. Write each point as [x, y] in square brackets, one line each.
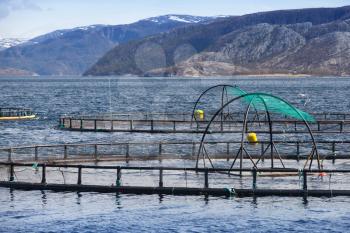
[267, 102]
[235, 91]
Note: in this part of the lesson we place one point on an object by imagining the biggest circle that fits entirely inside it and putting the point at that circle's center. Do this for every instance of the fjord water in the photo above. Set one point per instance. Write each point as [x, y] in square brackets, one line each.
[50, 97]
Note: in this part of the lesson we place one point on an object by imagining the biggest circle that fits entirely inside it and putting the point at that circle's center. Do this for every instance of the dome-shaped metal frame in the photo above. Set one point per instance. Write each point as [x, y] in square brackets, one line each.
[224, 99]
[310, 158]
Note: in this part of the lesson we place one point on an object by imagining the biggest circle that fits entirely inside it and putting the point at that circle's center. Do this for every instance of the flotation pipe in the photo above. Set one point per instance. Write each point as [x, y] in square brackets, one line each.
[10, 118]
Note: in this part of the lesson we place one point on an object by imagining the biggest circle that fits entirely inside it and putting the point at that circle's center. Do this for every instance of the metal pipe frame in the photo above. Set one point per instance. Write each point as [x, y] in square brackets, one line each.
[224, 90]
[310, 157]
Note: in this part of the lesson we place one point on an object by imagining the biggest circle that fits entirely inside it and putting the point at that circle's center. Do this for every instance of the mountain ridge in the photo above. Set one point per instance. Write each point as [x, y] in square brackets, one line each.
[259, 43]
[72, 51]
[6, 43]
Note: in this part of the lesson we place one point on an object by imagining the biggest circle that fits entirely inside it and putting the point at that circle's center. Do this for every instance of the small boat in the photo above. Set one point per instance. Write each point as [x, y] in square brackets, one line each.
[8, 114]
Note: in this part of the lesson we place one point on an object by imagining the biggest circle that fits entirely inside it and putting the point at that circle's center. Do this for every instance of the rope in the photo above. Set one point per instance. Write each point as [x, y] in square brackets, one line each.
[64, 179]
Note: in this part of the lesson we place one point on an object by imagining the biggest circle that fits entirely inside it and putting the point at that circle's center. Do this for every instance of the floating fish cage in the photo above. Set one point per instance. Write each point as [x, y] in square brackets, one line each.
[250, 135]
[196, 119]
[231, 123]
[235, 115]
[172, 180]
[247, 118]
[16, 114]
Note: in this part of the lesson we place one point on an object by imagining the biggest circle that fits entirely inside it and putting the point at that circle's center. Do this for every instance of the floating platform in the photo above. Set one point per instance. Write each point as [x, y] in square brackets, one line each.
[10, 114]
[182, 123]
[161, 188]
[129, 151]
[181, 191]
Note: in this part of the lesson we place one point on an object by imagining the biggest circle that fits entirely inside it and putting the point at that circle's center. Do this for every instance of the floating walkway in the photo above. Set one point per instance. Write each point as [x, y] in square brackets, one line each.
[182, 123]
[162, 188]
[89, 152]
[180, 191]
[8, 114]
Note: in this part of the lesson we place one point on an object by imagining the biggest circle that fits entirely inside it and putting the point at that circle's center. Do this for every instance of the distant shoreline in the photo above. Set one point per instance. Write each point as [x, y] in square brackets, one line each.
[280, 75]
[177, 76]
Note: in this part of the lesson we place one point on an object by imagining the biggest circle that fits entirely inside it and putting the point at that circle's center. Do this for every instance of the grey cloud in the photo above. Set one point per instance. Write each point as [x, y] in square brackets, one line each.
[24, 5]
[7, 6]
[4, 8]
[4, 12]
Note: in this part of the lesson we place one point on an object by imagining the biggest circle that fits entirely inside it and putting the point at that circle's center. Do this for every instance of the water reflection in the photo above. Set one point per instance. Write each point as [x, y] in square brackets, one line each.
[305, 201]
[206, 199]
[43, 197]
[12, 196]
[255, 202]
[161, 198]
[78, 199]
[117, 201]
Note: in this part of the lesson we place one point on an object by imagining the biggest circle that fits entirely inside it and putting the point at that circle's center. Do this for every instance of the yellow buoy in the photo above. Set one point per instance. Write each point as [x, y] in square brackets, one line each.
[199, 114]
[252, 138]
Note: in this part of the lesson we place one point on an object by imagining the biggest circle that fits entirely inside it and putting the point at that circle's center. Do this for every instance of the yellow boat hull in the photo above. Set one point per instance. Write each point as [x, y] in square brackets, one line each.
[17, 118]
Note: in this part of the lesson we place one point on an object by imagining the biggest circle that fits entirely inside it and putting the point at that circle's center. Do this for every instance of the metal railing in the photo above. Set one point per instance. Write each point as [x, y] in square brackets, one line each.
[188, 126]
[185, 116]
[205, 172]
[167, 150]
[15, 112]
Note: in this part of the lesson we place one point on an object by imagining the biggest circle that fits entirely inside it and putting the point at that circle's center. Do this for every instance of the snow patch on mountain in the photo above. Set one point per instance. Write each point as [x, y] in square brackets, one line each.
[6, 43]
[85, 28]
[176, 18]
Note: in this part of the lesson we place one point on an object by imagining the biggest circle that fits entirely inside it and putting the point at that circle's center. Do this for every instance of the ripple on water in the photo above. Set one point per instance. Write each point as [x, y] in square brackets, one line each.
[34, 211]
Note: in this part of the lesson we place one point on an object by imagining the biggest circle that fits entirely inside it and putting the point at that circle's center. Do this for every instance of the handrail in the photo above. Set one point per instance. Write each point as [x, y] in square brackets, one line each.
[212, 170]
[129, 114]
[207, 121]
[185, 125]
[171, 189]
[163, 143]
[15, 112]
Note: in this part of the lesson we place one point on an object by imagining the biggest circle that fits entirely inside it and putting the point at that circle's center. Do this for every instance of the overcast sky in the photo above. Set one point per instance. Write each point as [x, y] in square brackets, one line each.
[29, 18]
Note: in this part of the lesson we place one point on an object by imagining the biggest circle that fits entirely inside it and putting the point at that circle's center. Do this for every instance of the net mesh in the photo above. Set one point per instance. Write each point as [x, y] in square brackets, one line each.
[267, 102]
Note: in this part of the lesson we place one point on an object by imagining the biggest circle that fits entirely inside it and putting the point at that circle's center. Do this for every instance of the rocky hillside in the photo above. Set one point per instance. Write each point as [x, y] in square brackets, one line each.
[15, 72]
[306, 41]
[72, 51]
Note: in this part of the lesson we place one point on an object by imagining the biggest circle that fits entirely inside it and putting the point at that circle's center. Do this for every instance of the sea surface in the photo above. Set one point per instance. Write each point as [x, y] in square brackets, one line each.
[50, 97]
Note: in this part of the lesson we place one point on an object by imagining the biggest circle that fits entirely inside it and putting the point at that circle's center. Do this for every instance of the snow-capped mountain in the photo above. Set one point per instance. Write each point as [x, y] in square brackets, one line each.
[173, 20]
[59, 33]
[72, 51]
[308, 41]
[6, 43]
[179, 18]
